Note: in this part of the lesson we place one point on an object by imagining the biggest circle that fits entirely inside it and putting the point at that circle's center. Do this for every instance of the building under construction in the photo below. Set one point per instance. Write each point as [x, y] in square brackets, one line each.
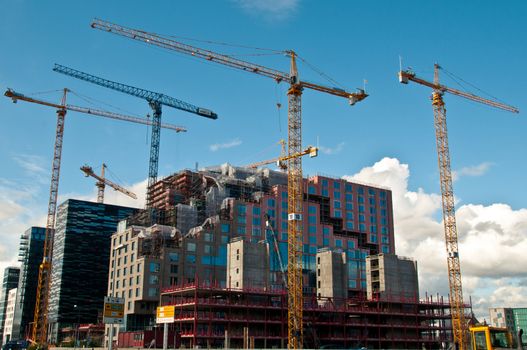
[213, 256]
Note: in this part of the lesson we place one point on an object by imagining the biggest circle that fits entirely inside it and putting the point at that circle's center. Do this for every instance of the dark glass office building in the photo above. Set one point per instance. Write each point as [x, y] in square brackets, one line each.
[30, 255]
[10, 281]
[81, 252]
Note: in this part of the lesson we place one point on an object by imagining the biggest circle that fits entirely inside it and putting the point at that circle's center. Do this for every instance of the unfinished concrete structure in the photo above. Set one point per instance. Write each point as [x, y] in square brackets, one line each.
[247, 264]
[391, 276]
[332, 275]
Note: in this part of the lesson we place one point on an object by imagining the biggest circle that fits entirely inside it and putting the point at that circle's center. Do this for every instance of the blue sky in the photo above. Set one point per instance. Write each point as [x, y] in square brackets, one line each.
[482, 42]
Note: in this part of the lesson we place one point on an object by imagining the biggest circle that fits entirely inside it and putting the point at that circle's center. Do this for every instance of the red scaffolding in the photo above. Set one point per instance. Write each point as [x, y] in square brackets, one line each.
[207, 315]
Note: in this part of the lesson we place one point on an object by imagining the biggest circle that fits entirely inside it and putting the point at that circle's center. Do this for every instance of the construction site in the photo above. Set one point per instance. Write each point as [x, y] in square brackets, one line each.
[240, 257]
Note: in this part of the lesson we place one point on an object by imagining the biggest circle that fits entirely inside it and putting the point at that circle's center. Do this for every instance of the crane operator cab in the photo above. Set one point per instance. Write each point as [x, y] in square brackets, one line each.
[490, 338]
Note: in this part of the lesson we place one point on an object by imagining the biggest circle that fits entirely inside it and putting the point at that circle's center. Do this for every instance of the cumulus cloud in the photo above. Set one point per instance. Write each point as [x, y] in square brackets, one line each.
[217, 146]
[492, 240]
[332, 150]
[274, 10]
[476, 170]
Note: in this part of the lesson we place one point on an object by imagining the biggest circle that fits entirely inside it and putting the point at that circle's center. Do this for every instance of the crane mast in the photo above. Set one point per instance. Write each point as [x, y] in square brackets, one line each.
[40, 320]
[459, 322]
[102, 182]
[295, 180]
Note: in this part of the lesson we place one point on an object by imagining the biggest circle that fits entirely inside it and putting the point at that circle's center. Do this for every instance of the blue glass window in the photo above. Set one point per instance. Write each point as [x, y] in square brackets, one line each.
[348, 187]
[325, 242]
[311, 190]
[338, 214]
[349, 206]
[336, 185]
[362, 227]
[312, 239]
[349, 225]
[336, 194]
[312, 229]
[336, 204]
[242, 209]
[312, 209]
[325, 192]
[312, 219]
[349, 215]
[242, 220]
[225, 228]
[241, 230]
[256, 210]
[271, 202]
[338, 243]
[373, 229]
[257, 221]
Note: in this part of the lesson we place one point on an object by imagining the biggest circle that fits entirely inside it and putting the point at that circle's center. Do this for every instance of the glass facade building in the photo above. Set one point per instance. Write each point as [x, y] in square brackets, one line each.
[81, 252]
[30, 255]
[10, 281]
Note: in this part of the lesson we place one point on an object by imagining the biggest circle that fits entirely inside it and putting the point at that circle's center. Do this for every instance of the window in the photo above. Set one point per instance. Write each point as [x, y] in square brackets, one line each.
[137, 292]
[129, 296]
[325, 242]
[336, 204]
[118, 273]
[132, 257]
[138, 267]
[174, 268]
[271, 212]
[372, 201]
[336, 194]
[173, 256]
[257, 231]
[349, 206]
[153, 292]
[311, 190]
[325, 231]
[117, 284]
[256, 210]
[154, 267]
[137, 279]
[362, 227]
[225, 228]
[312, 219]
[324, 182]
[383, 203]
[348, 187]
[133, 245]
[373, 220]
[242, 209]
[338, 213]
[338, 243]
[312, 239]
[349, 225]
[325, 192]
[224, 239]
[242, 220]
[373, 229]
[191, 247]
[361, 208]
[360, 190]
[371, 192]
[271, 202]
[191, 258]
[124, 271]
[312, 209]
[241, 230]
[207, 237]
[131, 281]
[349, 215]
[362, 218]
[207, 249]
[349, 197]
[153, 279]
[257, 221]
[351, 245]
[312, 229]
[124, 259]
[336, 185]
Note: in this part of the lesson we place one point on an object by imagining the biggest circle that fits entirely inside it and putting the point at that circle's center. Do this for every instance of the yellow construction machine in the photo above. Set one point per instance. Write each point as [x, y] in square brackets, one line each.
[484, 337]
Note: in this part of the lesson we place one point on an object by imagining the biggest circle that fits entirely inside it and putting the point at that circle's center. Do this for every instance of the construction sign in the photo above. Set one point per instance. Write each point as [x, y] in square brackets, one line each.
[165, 314]
[113, 310]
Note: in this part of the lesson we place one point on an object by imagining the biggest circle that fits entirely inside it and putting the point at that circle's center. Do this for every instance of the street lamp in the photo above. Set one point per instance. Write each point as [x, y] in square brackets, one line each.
[77, 328]
[112, 288]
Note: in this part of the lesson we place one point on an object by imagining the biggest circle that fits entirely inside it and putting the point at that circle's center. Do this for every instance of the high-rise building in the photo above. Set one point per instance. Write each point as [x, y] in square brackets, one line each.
[81, 252]
[30, 255]
[207, 209]
[9, 282]
[9, 316]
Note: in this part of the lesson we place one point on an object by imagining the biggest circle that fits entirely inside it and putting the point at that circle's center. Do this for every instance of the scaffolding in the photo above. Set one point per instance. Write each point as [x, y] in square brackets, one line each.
[207, 315]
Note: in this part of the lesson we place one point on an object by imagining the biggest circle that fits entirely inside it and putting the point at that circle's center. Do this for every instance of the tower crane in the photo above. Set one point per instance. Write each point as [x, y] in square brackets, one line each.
[295, 180]
[280, 161]
[15, 96]
[102, 182]
[155, 101]
[40, 321]
[459, 324]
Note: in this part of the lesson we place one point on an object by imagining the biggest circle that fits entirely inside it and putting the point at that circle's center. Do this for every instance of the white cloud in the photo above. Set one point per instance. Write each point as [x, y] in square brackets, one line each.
[217, 146]
[332, 150]
[476, 170]
[33, 166]
[492, 240]
[274, 10]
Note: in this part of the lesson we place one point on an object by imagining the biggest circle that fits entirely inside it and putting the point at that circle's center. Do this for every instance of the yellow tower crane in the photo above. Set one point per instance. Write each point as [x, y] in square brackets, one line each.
[281, 161]
[102, 182]
[459, 324]
[40, 320]
[295, 180]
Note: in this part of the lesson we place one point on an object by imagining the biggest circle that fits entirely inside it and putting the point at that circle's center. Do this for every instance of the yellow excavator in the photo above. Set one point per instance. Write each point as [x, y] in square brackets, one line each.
[484, 337]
